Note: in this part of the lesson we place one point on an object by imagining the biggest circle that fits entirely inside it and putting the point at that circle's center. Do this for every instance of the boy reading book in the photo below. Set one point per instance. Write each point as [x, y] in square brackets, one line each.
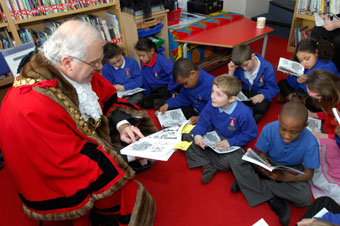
[231, 119]
[257, 76]
[195, 91]
[284, 142]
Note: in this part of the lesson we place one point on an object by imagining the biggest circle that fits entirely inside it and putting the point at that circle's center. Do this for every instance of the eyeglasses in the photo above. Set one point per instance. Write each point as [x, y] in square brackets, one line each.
[94, 64]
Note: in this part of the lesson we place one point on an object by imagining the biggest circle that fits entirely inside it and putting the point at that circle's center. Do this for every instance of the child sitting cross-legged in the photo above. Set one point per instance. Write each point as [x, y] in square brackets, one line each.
[283, 142]
[233, 122]
[258, 79]
[195, 91]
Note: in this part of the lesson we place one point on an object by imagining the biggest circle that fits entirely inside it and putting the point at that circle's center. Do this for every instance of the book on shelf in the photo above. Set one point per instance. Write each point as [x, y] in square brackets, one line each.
[290, 67]
[129, 92]
[252, 157]
[159, 146]
[310, 7]
[211, 138]
[113, 27]
[171, 118]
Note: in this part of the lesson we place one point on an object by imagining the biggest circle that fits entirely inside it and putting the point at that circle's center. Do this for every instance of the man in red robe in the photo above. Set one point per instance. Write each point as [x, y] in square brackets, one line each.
[55, 136]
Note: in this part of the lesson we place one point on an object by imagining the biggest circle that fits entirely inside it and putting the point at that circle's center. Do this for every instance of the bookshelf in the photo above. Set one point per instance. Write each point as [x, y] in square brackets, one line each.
[133, 23]
[299, 20]
[37, 22]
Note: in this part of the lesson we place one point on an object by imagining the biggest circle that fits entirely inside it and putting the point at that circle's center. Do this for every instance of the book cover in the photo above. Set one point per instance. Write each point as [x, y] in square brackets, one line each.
[171, 118]
[211, 138]
[290, 67]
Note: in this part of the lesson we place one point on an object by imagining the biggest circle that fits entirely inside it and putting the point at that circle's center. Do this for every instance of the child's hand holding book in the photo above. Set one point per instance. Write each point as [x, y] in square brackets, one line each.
[199, 141]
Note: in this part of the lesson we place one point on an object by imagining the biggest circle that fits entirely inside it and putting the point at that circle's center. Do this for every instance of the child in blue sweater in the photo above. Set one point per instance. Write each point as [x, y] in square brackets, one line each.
[284, 142]
[157, 74]
[233, 122]
[312, 55]
[195, 91]
[258, 79]
[123, 72]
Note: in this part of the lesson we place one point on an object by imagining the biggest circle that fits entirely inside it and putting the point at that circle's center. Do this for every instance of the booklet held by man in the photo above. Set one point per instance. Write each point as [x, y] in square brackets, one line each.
[158, 146]
[253, 157]
[290, 67]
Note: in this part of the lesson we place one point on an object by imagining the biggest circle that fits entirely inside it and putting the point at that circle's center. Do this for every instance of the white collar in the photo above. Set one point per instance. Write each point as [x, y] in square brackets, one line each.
[121, 67]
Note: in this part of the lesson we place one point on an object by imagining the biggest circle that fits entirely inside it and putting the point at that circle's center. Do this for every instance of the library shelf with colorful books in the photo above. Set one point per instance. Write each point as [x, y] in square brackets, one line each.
[59, 13]
[301, 28]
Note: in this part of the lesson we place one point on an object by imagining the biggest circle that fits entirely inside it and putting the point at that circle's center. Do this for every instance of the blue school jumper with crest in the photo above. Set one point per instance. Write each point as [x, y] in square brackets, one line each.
[129, 76]
[237, 123]
[198, 97]
[158, 73]
[320, 64]
[265, 81]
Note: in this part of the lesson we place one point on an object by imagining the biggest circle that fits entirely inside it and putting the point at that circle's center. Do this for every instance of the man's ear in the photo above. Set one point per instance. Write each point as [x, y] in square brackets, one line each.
[66, 62]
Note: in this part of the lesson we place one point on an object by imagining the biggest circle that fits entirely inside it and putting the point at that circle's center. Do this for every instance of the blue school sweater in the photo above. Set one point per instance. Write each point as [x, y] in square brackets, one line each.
[129, 76]
[158, 74]
[198, 96]
[237, 123]
[320, 64]
[265, 81]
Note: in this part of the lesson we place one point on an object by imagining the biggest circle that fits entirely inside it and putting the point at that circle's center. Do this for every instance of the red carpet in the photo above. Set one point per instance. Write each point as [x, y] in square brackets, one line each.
[180, 197]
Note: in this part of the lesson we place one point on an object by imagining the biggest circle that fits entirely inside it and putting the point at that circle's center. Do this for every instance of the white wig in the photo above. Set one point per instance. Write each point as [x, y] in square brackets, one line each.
[72, 38]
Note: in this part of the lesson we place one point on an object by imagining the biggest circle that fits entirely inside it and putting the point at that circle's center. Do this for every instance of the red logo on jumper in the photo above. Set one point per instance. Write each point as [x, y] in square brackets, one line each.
[127, 72]
[261, 79]
[155, 73]
[232, 122]
[199, 97]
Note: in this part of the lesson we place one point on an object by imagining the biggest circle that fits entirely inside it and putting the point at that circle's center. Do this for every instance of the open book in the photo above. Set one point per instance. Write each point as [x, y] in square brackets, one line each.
[129, 92]
[314, 124]
[159, 145]
[241, 97]
[210, 140]
[252, 157]
[290, 67]
[171, 118]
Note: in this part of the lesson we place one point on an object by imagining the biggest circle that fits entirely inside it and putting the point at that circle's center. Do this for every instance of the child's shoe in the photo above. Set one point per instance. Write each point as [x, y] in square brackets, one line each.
[281, 208]
[208, 173]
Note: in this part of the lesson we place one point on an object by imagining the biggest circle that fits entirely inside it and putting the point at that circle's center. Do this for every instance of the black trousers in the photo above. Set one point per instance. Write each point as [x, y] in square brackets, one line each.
[319, 204]
[259, 109]
[331, 36]
[157, 98]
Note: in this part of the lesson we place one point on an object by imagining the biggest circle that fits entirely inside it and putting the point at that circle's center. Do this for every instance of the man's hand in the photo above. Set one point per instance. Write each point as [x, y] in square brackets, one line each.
[231, 68]
[257, 98]
[331, 25]
[193, 120]
[199, 141]
[119, 87]
[129, 134]
[164, 108]
[302, 78]
[223, 144]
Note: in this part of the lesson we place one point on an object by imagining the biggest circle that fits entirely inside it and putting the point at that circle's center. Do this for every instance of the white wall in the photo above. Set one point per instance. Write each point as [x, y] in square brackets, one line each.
[249, 8]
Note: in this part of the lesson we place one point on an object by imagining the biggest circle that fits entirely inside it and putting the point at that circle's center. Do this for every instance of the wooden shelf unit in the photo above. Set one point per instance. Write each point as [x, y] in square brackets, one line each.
[37, 22]
[133, 23]
[299, 20]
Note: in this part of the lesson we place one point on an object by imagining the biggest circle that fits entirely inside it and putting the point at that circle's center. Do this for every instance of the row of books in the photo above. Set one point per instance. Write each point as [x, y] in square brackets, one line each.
[22, 9]
[5, 40]
[300, 33]
[330, 7]
[109, 29]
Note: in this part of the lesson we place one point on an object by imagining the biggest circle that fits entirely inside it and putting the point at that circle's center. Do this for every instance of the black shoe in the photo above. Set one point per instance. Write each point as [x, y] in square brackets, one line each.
[208, 173]
[234, 187]
[281, 208]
